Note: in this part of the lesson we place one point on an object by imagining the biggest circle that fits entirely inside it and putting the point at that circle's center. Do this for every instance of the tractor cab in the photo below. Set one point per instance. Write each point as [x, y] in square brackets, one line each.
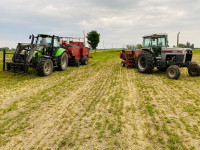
[48, 43]
[154, 43]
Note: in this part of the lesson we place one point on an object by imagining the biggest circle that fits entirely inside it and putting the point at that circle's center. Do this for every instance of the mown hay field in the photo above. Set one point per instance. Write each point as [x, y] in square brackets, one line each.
[100, 106]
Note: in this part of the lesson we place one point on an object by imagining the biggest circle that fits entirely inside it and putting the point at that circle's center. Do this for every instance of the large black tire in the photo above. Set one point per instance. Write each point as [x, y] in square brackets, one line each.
[84, 60]
[194, 71]
[62, 61]
[173, 72]
[145, 62]
[123, 63]
[45, 67]
[76, 63]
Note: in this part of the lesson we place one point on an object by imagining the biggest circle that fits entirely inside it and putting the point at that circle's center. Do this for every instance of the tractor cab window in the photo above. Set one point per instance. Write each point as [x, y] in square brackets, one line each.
[56, 43]
[162, 42]
[44, 41]
[154, 42]
[147, 42]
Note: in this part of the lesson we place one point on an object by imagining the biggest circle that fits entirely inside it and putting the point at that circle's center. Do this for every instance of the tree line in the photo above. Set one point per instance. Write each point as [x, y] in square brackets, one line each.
[138, 46]
[187, 45]
[7, 49]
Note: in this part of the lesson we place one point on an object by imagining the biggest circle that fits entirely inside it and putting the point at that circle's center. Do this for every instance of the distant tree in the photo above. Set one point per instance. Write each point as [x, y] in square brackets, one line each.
[13, 49]
[192, 46]
[182, 45]
[93, 39]
[188, 45]
[130, 46]
[139, 46]
[6, 48]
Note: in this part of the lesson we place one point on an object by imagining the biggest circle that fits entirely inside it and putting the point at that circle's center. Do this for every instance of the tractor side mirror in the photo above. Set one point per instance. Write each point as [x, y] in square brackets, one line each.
[30, 36]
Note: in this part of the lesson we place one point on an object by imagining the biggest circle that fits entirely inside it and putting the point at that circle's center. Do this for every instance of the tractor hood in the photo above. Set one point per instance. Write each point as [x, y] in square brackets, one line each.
[177, 50]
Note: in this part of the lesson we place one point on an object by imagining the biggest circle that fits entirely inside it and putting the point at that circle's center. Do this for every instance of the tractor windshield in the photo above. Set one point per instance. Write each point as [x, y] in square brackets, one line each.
[44, 41]
[162, 42]
[155, 42]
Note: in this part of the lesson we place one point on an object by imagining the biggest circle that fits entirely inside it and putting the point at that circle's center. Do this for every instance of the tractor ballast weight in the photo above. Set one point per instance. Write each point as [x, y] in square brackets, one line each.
[77, 52]
[155, 52]
[43, 53]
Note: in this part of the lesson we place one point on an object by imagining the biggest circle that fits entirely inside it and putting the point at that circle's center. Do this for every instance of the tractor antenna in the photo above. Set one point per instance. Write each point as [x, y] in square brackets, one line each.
[178, 39]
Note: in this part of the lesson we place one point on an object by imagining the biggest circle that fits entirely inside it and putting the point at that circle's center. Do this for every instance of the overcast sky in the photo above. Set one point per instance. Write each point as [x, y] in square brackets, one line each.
[119, 22]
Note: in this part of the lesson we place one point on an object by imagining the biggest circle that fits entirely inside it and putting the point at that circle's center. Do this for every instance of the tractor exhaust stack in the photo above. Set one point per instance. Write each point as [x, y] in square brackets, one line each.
[178, 39]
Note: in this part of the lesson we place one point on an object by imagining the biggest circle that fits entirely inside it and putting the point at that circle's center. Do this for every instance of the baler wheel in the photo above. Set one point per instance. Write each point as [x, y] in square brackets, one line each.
[145, 62]
[62, 61]
[84, 60]
[173, 72]
[45, 67]
[123, 63]
[76, 62]
[195, 71]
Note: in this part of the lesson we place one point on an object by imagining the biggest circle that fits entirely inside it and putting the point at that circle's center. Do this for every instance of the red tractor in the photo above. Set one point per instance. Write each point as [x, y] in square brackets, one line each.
[76, 50]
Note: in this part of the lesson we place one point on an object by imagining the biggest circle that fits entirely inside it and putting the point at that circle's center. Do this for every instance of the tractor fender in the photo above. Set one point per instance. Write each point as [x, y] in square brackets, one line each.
[148, 50]
[60, 51]
[38, 53]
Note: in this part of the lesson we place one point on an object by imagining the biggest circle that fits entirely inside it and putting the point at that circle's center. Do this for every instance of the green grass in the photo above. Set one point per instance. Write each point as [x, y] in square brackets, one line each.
[102, 106]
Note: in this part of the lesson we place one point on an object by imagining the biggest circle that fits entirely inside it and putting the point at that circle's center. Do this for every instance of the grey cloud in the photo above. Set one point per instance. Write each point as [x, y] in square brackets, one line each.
[118, 21]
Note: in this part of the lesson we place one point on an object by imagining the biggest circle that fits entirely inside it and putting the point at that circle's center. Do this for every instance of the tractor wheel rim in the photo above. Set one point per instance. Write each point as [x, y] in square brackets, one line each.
[47, 67]
[172, 72]
[142, 63]
[63, 61]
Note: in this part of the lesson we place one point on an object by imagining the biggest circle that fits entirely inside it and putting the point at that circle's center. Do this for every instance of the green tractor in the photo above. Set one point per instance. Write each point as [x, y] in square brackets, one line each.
[43, 53]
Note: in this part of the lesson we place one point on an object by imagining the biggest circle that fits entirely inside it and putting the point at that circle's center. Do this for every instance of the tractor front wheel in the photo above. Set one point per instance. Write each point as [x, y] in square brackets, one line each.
[195, 71]
[62, 61]
[45, 67]
[145, 62]
[84, 60]
[173, 72]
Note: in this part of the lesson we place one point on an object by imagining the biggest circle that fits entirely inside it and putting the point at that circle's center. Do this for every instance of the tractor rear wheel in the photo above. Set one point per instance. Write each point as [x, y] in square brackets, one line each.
[195, 71]
[173, 72]
[45, 67]
[145, 62]
[123, 63]
[62, 61]
[84, 60]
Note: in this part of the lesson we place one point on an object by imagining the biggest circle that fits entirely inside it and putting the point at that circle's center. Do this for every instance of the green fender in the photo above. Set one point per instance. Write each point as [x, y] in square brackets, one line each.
[59, 51]
[39, 53]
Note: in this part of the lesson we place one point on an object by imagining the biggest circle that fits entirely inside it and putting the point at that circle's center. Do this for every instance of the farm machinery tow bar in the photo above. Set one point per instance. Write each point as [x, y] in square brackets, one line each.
[46, 53]
[155, 52]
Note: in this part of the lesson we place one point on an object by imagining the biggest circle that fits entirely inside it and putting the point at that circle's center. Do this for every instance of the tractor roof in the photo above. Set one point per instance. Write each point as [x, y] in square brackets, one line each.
[155, 35]
[46, 35]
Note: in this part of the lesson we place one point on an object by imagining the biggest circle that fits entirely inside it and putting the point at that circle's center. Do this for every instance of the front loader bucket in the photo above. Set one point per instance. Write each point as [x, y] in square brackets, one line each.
[21, 58]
